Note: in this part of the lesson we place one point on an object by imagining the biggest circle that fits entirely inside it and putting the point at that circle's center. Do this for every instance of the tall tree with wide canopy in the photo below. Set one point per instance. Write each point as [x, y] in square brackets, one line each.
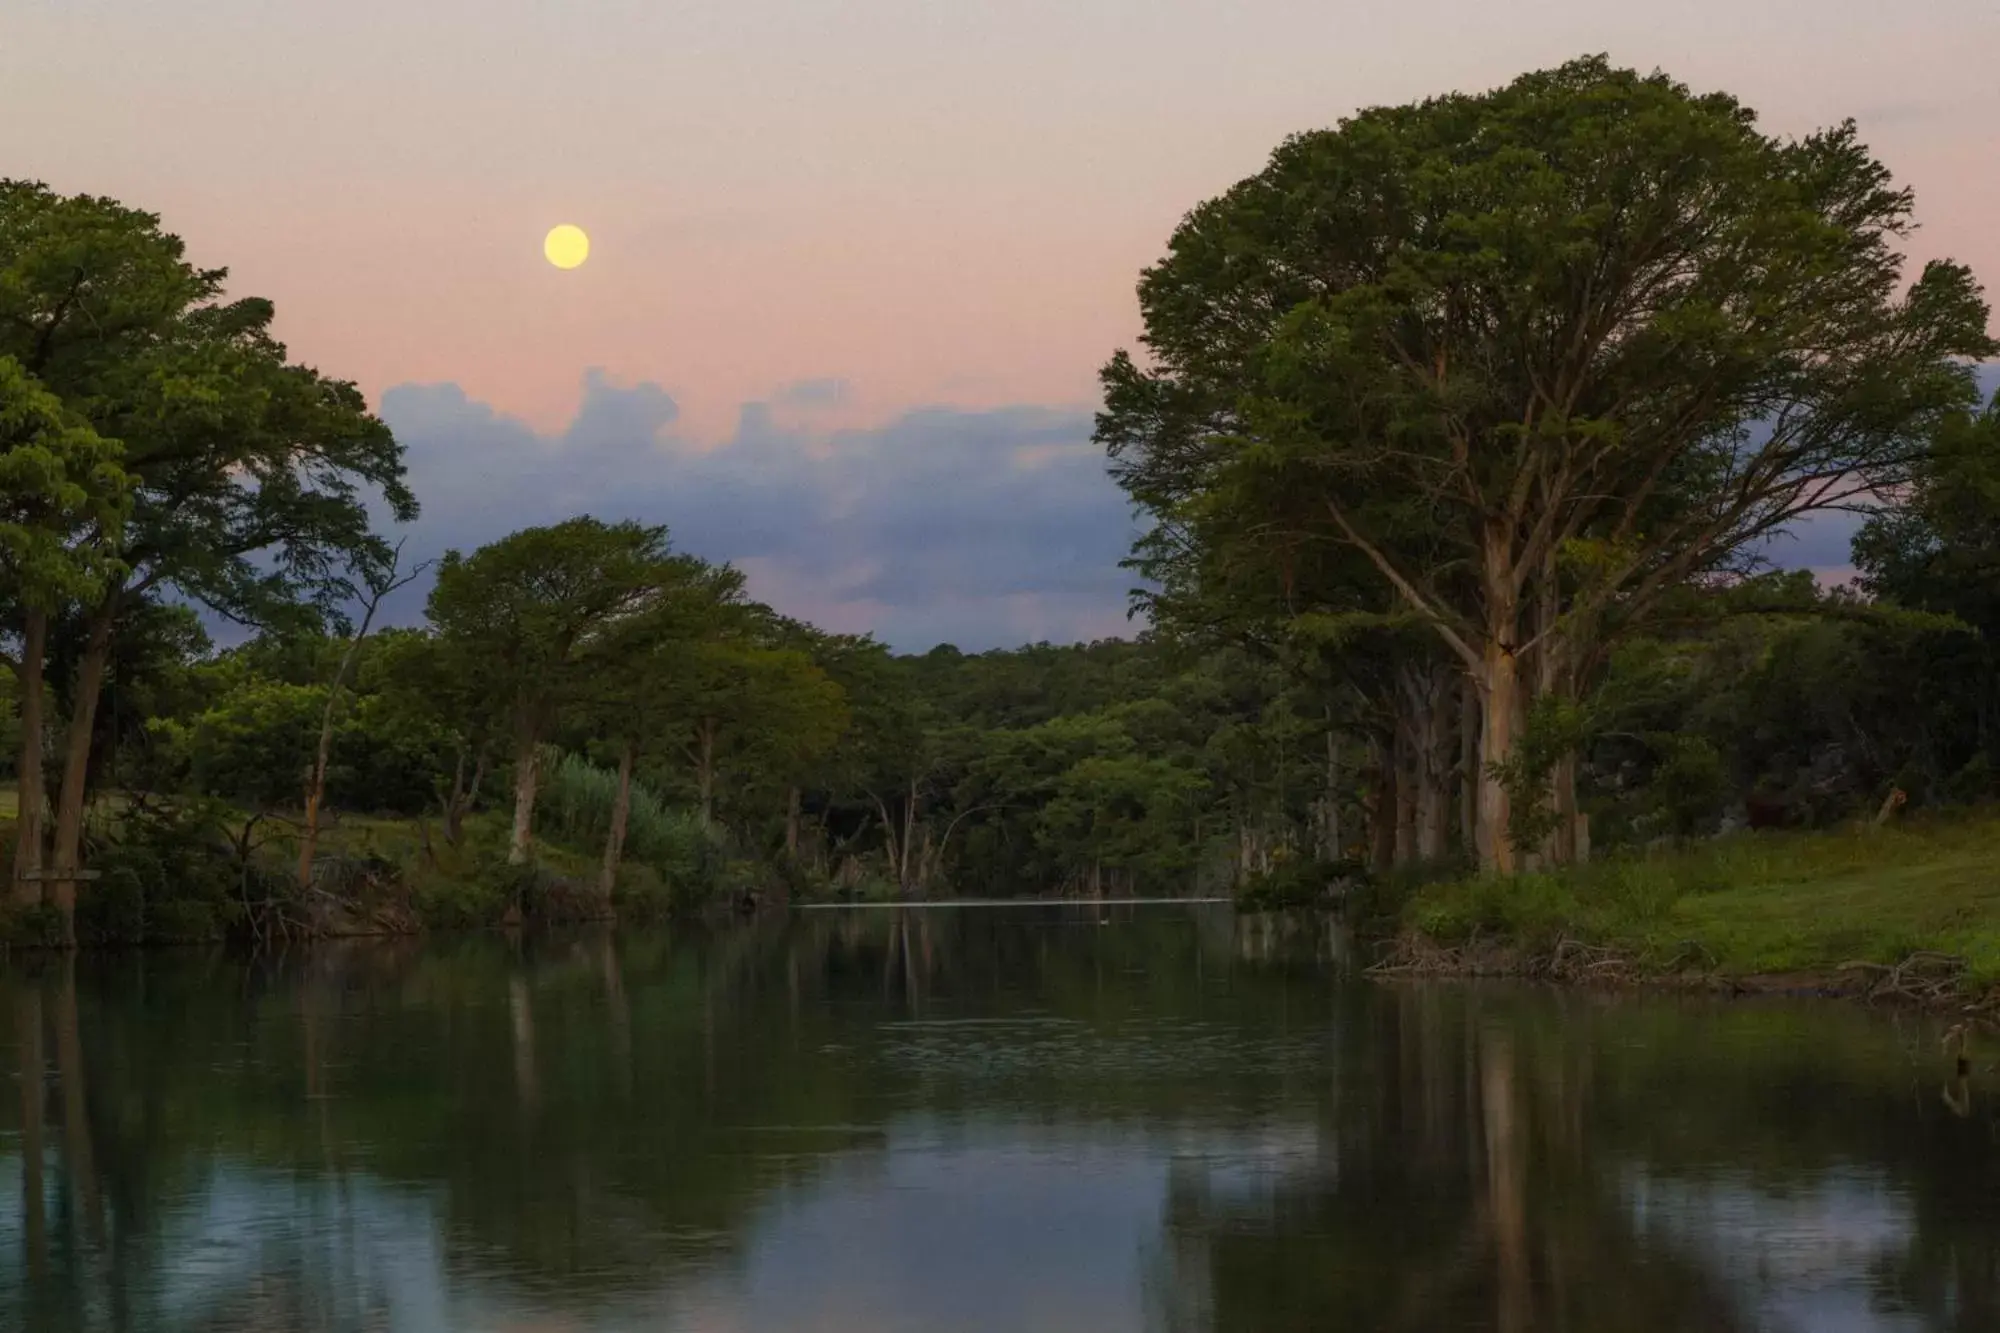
[541, 608]
[250, 475]
[1542, 355]
[58, 480]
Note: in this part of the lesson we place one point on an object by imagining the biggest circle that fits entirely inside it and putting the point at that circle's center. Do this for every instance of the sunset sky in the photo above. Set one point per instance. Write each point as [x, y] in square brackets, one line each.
[854, 263]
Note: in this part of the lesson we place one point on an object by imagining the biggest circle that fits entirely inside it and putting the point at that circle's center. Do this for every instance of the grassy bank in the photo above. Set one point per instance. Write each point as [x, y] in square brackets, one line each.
[1842, 909]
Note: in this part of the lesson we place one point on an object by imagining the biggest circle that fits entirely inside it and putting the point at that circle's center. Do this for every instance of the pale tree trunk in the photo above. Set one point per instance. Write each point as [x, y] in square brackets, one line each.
[67, 856]
[1468, 765]
[34, 793]
[621, 810]
[909, 831]
[525, 758]
[1499, 705]
[1500, 698]
[462, 796]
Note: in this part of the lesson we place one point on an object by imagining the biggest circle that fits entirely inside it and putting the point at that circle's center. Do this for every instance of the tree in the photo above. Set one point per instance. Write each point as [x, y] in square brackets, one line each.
[1542, 356]
[540, 609]
[755, 707]
[423, 682]
[644, 673]
[57, 479]
[248, 472]
[1938, 550]
[379, 582]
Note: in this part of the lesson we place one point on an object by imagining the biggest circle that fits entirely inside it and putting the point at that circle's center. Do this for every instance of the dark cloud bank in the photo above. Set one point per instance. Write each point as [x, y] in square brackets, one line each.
[984, 529]
[980, 528]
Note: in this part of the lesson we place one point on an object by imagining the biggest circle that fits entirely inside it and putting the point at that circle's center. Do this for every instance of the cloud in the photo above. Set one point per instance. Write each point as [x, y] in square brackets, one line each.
[980, 528]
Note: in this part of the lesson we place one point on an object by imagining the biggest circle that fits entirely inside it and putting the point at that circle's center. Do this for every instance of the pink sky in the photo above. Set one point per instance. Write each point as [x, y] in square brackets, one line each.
[938, 202]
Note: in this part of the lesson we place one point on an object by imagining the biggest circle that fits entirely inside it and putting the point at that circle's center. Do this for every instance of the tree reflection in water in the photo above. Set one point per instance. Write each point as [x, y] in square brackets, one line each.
[966, 1117]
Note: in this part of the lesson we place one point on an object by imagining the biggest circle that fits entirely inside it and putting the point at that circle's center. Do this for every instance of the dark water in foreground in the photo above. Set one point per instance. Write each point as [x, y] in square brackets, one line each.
[965, 1120]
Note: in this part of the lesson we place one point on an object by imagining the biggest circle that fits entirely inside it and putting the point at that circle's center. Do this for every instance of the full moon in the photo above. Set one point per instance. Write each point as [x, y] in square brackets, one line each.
[566, 246]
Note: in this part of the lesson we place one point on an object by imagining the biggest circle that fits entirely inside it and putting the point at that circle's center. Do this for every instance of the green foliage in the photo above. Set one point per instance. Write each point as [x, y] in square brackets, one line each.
[58, 479]
[574, 801]
[171, 874]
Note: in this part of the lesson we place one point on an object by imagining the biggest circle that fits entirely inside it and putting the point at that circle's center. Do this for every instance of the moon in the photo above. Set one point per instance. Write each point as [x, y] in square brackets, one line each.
[566, 246]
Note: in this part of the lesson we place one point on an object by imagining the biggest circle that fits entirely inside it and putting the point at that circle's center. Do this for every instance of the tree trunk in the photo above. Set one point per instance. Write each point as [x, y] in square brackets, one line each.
[792, 800]
[453, 818]
[909, 829]
[1499, 691]
[316, 780]
[524, 798]
[68, 849]
[463, 796]
[309, 835]
[1468, 765]
[34, 794]
[621, 810]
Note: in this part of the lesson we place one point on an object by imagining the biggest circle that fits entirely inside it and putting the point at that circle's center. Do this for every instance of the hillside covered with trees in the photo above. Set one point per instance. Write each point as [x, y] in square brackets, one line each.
[1461, 431]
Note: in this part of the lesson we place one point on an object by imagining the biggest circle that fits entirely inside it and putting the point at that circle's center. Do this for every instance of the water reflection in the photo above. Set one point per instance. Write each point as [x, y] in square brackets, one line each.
[1047, 1118]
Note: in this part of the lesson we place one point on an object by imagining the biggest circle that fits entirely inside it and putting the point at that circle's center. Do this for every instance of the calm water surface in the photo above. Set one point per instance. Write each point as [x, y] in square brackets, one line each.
[968, 1120]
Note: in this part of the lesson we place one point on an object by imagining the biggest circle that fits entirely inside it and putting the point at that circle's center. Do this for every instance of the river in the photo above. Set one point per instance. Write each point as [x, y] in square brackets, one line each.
[1152, 1116]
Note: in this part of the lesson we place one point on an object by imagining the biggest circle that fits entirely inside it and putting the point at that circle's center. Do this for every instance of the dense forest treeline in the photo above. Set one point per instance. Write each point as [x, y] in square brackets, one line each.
[1460, 432]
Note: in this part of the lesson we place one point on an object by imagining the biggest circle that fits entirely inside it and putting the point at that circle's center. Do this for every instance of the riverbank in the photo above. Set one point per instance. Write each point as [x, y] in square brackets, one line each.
[1909, 913]
[201, 872]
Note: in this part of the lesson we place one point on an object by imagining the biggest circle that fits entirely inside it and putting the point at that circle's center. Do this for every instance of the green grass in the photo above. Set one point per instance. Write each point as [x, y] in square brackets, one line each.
[1757, 902]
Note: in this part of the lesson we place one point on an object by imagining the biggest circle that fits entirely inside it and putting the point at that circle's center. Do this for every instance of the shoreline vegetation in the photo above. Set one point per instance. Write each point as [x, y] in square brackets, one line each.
[1905, 913]
[1461, 438]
